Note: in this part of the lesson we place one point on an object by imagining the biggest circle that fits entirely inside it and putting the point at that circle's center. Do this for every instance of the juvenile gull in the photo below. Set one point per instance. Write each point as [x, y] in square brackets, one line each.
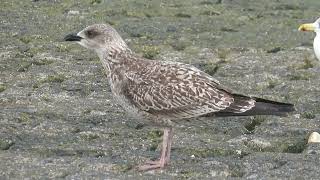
[164, 92]
[315, 27]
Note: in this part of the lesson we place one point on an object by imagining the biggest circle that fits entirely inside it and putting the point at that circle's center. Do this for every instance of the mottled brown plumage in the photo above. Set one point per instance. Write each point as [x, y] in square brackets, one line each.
[162, 91]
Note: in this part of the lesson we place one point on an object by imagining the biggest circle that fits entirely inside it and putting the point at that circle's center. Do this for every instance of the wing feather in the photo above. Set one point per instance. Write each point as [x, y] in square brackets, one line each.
[175, 91]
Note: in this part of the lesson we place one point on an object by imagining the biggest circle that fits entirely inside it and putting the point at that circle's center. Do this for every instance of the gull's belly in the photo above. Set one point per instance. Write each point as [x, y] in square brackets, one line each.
[133, 111]
[316, 46]
[121, 99]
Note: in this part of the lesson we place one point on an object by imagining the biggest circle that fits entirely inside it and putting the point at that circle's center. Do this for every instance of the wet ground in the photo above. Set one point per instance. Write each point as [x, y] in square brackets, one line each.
[58, 119]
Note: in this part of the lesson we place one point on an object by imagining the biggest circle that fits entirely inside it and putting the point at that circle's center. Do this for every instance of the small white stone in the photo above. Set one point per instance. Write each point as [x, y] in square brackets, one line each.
[244, 18]
[98, 113]
[260, 143]
[297, 116]
[314, 138]
[238, 152]
[192, 156]
[73, 12]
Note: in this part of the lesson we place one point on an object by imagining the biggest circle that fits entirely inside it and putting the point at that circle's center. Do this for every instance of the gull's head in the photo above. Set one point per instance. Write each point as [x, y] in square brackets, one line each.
[98, 37]
[315, 27]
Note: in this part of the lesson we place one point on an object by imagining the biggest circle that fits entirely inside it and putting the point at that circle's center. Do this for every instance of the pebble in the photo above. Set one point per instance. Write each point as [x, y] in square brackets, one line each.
[314, 138]
[73, 12]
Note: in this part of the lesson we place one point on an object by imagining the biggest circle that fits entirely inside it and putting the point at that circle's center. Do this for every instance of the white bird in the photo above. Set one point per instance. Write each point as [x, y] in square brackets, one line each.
[315, 27]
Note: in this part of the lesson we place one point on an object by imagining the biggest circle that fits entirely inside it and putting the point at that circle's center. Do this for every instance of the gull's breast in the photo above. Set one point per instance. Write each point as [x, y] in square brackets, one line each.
[316, 46]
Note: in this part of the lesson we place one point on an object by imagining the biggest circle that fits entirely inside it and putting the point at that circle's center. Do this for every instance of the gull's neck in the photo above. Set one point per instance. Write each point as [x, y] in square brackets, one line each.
[114, 56]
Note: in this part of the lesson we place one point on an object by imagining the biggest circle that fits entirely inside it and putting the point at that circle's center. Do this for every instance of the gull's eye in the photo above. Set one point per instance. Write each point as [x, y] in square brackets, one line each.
[91, 33]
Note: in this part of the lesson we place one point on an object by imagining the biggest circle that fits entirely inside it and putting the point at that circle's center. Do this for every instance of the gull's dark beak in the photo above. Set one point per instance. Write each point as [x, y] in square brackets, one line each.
[72, 37]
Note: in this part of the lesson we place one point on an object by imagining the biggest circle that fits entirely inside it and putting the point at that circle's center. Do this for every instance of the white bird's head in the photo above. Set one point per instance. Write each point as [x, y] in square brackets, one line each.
[98, 37]
[315, 27]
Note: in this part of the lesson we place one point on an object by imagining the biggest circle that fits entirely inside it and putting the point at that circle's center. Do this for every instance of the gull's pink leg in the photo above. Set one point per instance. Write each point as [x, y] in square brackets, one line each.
[170, 137]
[165, 152]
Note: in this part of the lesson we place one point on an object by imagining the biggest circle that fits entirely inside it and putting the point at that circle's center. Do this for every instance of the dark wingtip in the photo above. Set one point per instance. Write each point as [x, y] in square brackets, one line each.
[72, 37]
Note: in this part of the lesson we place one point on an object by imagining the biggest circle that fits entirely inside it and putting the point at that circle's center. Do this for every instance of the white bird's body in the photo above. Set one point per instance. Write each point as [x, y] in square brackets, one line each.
[314, 27]
[316, 45]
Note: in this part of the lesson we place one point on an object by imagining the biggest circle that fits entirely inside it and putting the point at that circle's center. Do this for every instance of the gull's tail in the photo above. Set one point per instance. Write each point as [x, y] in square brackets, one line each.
[261, 107]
